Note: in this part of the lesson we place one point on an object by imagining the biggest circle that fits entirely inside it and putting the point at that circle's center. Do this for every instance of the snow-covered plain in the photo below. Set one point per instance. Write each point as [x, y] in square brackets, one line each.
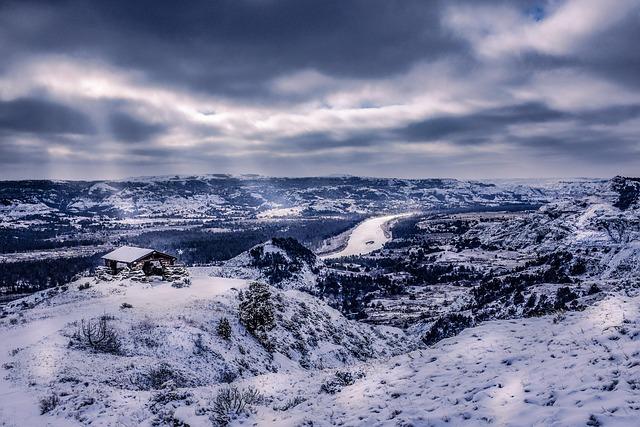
[366, 237]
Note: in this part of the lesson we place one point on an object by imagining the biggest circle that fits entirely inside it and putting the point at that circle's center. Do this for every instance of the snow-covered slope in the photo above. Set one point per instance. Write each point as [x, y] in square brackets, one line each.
[604, 228]
[163, 334]
[582, 369]
[223, 197]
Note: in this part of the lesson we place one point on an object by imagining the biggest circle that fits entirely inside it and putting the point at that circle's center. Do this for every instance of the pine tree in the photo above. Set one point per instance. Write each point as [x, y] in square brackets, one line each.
[224, 328]
[256, 311]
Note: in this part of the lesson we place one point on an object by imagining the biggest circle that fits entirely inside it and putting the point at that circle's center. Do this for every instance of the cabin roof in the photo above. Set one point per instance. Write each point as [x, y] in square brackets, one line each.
[130, 254]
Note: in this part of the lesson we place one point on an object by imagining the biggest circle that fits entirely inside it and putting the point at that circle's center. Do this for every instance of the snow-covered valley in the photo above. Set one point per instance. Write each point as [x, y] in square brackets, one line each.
[511, 316]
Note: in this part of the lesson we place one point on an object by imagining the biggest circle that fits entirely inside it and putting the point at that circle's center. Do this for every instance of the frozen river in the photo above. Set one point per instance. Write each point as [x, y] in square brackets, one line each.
[366, 237]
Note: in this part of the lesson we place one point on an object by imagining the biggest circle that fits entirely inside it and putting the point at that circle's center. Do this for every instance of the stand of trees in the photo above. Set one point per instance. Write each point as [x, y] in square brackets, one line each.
[32, 276]
[352, 293]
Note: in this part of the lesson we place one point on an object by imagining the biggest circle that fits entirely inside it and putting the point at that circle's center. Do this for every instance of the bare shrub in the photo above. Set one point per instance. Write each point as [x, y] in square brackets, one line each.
[291, 403]
[163, 404]
[199, 346]
[125, 305]
[99, 335]
[227, 376]
[231, 402]
[559, 316]
[160, 377]
[49, 403]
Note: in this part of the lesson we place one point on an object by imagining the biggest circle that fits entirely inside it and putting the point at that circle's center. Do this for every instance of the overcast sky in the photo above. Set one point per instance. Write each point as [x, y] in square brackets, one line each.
[462, 89]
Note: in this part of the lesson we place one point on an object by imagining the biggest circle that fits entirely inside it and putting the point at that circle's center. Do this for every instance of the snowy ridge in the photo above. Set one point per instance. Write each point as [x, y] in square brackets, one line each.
[223, 196]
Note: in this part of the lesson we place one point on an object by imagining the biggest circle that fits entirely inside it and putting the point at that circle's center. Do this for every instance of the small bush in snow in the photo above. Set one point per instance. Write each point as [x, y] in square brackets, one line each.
[291, 403]
[125, 305]
[99, 335]
[593, 289]
[231, 402]
[224, 329]
[564, 295]
[559, 316]
[49, 403]
[199, 346]
[227, 376]
[183, 282]
[340, 380]
[593, 421]
[256, 312]
[85, 285]
[160, 377]
[164, 402]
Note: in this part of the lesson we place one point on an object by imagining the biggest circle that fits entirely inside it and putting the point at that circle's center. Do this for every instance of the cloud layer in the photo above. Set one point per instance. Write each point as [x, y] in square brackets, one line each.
[295, 87]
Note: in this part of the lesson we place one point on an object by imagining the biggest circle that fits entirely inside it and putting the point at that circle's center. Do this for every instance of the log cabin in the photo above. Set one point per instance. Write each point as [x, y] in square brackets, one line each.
[149, 261]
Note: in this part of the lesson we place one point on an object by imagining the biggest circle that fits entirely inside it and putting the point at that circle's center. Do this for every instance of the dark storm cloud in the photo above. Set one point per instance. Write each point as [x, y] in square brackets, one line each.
[130, 129]
[614, 53]
[14, 153]
[234, 47]
[39, 116]
[322, 141]
[469, 129]
[593, 147]
[611, 54]
[485, 122]
[610, 115]
[349, 54]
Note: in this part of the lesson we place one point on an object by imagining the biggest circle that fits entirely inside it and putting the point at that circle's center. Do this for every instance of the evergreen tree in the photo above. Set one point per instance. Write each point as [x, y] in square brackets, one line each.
[256, 311]
[224, 328]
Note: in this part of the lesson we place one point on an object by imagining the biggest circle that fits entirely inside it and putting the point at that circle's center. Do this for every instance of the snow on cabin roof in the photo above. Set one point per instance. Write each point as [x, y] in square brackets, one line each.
[127, 254]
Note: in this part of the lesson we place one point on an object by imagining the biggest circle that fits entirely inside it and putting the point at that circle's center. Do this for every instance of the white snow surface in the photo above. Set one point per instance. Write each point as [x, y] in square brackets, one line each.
[166, 325]
[366, 237]
[40, 339]
[281, 212]
[548, 371]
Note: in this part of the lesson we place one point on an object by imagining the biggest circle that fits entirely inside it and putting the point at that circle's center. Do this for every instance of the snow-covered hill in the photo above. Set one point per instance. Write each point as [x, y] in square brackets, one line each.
[582, 368]
[603, 229]
[214, 196]
[282, 262]
[574, 368]
[160, 334]
[513, 317]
